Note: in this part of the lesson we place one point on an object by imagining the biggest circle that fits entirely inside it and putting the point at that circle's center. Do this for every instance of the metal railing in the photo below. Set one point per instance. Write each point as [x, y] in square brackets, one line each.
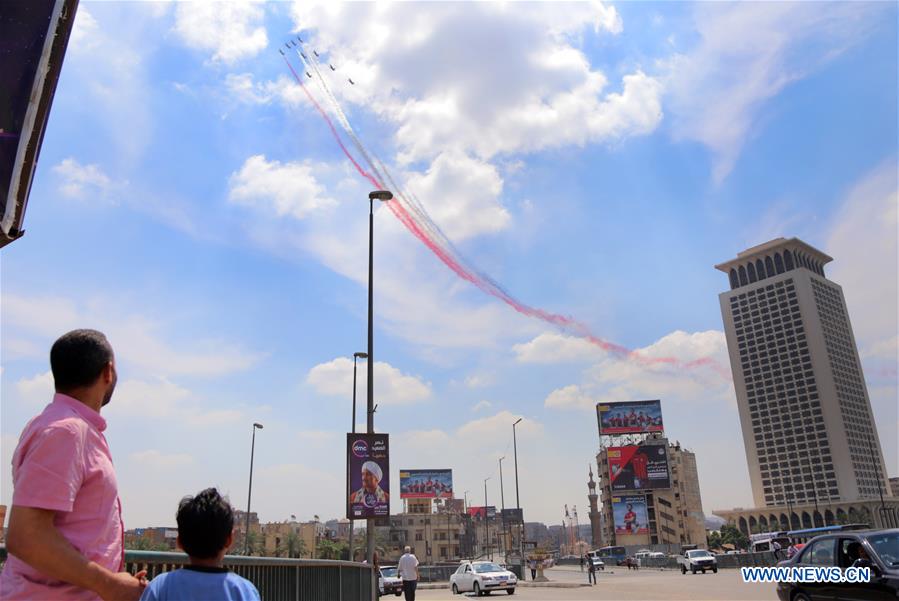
[276, 579]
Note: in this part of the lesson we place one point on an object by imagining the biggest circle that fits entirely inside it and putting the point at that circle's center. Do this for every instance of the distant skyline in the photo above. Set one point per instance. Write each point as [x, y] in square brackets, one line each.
[597, 160]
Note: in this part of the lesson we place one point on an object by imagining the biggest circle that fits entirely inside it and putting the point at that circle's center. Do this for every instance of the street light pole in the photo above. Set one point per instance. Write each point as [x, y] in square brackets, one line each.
[502, 502]
[382, 195]
[518, 499]
[250, 489]
[353, 429]
[487, 521]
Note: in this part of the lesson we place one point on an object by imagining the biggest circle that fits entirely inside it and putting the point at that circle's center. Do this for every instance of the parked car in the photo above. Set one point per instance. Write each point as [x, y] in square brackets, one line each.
[844, 550]
[390, 582]
[697, 560]
[482, 577]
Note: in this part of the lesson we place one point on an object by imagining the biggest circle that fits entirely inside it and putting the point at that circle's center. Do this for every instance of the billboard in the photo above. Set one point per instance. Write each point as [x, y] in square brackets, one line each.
[629, 514]
[629, 417]
[426, 484]
[639, 467]
[512, 516]
[368, 464]
[478, 512]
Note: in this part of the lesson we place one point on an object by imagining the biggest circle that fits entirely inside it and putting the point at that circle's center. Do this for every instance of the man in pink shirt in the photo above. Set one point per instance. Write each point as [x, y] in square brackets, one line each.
[65, 534]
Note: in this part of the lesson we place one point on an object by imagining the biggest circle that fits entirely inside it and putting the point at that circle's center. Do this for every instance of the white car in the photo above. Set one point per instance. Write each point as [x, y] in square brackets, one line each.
[390, 582]
[482, 577]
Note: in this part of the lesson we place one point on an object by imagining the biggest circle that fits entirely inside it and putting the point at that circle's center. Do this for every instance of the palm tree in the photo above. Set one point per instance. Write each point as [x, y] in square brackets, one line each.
[296, 546]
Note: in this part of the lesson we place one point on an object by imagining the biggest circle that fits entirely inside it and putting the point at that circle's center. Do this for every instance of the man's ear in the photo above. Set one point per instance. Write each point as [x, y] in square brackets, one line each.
[178, 543]
[109, 372]
[230, 540]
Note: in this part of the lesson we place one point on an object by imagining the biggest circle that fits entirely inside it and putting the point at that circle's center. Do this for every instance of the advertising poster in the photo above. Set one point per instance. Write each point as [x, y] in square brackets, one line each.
[512, 516]
[630, 515]
[368, 462]
[479, 512]
[639, 467]
[629, 417]
[426, 484]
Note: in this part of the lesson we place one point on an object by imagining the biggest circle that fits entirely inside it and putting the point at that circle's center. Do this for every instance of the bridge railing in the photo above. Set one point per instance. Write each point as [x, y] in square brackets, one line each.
[276, 578]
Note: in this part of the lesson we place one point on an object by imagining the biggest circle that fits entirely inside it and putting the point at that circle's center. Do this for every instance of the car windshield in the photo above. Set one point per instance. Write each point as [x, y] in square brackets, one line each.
[482, 568]
[699, 553]
[886, 545]
[388, 572]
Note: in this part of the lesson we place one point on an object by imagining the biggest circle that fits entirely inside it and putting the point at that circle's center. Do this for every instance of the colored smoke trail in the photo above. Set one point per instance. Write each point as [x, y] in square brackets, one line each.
[418, 221]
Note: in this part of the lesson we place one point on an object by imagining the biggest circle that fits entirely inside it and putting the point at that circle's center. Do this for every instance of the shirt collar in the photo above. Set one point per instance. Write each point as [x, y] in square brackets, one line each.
[83, 411]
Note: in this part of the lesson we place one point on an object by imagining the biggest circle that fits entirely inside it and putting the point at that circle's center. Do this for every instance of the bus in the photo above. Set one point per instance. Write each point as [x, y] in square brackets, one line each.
[613, 556]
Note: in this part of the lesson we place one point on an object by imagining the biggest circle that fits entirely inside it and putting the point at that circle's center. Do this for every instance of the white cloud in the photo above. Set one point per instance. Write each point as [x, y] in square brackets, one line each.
[490, 430]
[106, 58]
[614, 378]
[37, 390]
[569, 397]
[79, 181]
[534, 90]
[288, 189]
[863, 243]
[157, 460]
[136, 339]
[551, 347]
[230, 30]
[392, 387]
[462, 195]
[478, 380]
[747, 53]
[481, 406]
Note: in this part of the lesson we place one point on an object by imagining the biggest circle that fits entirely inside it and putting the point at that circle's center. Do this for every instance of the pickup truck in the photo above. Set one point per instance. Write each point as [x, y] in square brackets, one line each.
[697, 560]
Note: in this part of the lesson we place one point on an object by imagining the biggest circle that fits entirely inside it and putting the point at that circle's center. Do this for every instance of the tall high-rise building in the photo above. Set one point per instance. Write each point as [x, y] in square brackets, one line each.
[808, 428]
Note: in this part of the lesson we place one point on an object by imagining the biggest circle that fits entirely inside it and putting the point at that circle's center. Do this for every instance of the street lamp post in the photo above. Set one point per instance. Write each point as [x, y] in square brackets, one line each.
[353, 429]
[487, 521]
[502, 501]
[250, 490]
[518, 499]
[384, 196]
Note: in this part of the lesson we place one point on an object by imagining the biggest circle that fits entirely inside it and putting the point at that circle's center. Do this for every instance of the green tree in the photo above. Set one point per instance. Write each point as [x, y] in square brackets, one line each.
[296, 546]
[732, 535]
[714, 540]
[329, 549]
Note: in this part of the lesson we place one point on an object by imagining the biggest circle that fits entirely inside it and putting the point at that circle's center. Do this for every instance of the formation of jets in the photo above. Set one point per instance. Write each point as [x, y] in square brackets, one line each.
[293, 44]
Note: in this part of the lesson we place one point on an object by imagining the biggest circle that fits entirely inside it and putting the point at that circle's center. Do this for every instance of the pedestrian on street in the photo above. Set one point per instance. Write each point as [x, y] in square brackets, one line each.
[533, 565]
[775, 546]
[582, 563]
[408, 570]
[591, 572]
[65, 533]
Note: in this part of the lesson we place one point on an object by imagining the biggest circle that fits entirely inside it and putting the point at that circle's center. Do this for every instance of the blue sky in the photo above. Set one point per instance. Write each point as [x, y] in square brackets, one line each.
[597, 161]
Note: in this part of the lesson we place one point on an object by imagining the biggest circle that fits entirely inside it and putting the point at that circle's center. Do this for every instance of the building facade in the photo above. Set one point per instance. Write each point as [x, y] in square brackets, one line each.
[808, 428]
[675, 515]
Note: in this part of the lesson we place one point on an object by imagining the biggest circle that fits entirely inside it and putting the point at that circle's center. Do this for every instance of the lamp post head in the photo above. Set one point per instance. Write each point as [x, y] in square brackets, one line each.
[361, 355]
[516, 423]
[382, 195]
[255, 425]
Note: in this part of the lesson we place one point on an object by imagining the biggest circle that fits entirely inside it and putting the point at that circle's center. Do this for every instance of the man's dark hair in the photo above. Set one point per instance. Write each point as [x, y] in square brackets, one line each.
[204, 524]
[77, 359]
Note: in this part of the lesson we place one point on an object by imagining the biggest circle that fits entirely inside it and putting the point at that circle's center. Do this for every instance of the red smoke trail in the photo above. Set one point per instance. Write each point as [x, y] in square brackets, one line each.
[564, 322]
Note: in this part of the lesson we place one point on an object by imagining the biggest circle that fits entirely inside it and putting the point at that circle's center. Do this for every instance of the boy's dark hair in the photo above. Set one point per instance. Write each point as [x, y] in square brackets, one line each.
[204, 524]
[77, 359]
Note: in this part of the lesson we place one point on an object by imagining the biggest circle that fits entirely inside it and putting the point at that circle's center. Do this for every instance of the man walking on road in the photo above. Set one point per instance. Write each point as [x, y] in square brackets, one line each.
[591, 571]
[408, 569]
[65, 534]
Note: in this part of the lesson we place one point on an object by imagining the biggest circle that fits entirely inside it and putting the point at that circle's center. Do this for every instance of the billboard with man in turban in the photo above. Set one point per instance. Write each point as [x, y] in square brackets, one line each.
[369, 476]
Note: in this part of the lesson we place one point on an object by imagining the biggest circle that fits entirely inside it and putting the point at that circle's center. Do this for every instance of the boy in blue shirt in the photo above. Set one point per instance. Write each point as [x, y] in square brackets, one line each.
[205, 532]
